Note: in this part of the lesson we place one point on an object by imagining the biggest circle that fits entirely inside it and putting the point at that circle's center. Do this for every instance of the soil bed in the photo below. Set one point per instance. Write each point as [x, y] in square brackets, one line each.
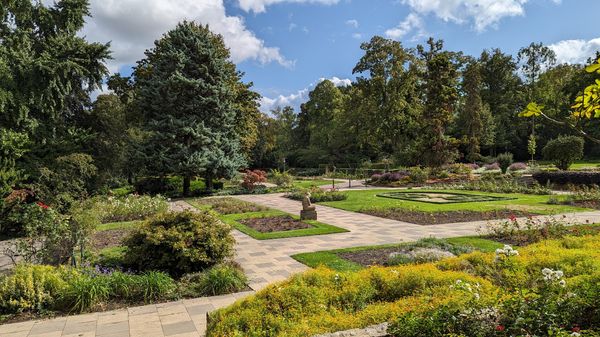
[274, 224]
[109, 238]
[371, 257]
[424, 218]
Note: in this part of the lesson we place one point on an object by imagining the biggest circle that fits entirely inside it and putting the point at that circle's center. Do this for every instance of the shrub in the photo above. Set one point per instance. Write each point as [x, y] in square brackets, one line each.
[461, 169]
[218, 280]
[563, 151]
[282, 179]
[418, 175]
[31, 288]
[179, 243]
[85, 292]
[552, 285]
[375, 177]
[254, 178]
[504, 160]
[130, 207]
[567, 177]
[317, 195]
[230, 205]
[499, 185]
[491, 167]
[517, 167]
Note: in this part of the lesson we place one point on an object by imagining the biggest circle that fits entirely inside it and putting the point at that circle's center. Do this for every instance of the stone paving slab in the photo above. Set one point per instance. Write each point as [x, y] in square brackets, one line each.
[264, 262]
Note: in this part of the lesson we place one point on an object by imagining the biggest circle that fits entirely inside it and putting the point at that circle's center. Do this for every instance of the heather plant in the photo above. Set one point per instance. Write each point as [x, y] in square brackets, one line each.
[282, 178]
[517, 167]
[499, 185]
[229, 205]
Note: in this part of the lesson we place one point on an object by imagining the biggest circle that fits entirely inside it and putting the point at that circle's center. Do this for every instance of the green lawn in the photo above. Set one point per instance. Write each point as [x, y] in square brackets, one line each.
[310, 183]
[368, 199]
[578, 165]
[318, 228]
[332, 260]
[118, 225]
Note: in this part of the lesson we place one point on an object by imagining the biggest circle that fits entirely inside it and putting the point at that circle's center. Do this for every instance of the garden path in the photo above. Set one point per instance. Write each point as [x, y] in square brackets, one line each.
[264, 261]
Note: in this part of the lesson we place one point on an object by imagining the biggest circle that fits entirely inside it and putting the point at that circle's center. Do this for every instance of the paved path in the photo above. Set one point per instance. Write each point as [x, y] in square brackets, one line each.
[264, 262]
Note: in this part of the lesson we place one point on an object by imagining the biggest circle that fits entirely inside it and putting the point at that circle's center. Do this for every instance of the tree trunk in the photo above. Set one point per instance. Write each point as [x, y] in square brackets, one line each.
[186, 185]
[209, 182]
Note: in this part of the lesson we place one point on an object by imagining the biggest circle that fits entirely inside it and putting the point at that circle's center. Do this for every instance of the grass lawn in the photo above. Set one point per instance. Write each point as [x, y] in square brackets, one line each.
[310, 183]
[332, 260]
[578, 165]
[368, 199]
[318, 228]
[118, 225]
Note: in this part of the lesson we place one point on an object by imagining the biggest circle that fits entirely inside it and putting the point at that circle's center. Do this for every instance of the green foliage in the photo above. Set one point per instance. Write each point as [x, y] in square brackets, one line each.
[531, 146]
[217, 280]
[32, 288]
[524, 232]
[12, 147]
[563, 151]
[67, 181]
[39, 289]
[179, 243]
[418, 175]
[500, 185]
[130, 207]
[317, 195]
[504, 160]
[469, 295]
[282, 178]
[195, 104]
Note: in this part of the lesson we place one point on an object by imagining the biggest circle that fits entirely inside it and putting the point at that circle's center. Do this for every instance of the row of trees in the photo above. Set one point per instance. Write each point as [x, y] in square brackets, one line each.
[185, 110]
[427, 106]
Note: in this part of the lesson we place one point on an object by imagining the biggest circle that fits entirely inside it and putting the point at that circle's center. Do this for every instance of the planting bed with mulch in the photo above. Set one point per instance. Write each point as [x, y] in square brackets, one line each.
[371, 257]
[426, 218]
[274, 224]
[109, 238]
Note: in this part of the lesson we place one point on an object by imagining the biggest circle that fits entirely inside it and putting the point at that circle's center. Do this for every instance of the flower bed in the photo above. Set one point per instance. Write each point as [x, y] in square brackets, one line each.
[555, 284]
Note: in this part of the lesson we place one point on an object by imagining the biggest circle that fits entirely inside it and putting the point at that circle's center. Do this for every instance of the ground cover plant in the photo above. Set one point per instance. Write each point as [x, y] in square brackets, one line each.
[542, 289]
[435, 218]
[129, 207]
[227, 205]
[365, 201]
[356, 258]
[499, 185]
[269, 225]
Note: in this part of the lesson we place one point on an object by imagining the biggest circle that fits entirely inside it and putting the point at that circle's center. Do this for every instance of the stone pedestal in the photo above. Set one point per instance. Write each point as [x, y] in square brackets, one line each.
[308, 215]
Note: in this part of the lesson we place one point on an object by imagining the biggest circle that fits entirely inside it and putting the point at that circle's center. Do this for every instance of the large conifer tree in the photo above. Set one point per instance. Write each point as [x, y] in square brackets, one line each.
[185, 93]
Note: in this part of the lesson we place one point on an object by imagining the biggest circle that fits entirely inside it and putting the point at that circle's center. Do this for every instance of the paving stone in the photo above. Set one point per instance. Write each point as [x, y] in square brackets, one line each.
[179, 328]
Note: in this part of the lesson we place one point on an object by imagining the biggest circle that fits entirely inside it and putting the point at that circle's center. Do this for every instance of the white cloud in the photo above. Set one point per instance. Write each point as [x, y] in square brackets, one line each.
[260, 6]
[352, 23]
[480, 13]
[295, 99]
[575, 51]
[412, 23]
[357, 36]
[133, 25]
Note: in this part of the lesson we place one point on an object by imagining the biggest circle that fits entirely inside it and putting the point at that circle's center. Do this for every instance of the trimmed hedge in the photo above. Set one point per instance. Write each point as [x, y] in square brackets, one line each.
[568, 177]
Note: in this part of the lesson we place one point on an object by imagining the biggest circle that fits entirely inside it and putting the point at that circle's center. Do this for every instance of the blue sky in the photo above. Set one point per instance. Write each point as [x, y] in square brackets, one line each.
[286, 46]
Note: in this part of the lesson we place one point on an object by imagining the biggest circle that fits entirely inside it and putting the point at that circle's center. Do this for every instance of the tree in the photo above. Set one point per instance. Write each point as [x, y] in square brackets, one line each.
[441, 96]
[470, 116]
[385, 105]
[47, 71]
[184, 89]
[502, 94]
[563, 151]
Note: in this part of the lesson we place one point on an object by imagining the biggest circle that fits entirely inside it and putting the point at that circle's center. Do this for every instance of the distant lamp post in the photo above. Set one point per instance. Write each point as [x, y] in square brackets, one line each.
[283, 164]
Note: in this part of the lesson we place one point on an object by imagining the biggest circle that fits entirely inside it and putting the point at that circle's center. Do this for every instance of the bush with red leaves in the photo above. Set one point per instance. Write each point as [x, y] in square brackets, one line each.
[253, 178]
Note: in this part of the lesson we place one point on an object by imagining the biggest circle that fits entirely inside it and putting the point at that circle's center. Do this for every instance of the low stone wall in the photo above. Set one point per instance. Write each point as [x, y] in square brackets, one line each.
[379, 330]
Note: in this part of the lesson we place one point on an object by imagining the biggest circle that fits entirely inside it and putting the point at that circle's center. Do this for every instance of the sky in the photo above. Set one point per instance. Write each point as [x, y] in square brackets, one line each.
[285, 47]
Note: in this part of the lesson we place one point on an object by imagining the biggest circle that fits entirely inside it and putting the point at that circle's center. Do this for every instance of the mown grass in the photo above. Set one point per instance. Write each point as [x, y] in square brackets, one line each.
[118, 225]
[318, 228]
[368, 199]
[331, 259]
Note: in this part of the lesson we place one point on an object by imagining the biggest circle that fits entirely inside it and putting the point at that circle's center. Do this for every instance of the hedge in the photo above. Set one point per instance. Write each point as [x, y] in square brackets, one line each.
[568, 177]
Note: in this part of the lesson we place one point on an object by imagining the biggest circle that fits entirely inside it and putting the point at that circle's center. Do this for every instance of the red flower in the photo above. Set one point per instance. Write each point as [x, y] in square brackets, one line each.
[42, 205]
[500, 328]
[576, 329]
[512, 217]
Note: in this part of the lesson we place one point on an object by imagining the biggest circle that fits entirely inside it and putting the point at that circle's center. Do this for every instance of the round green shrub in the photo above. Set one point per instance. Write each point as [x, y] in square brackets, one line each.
[179, 243]
[218, 280]
[504, 160]
[563, 151]
[418, 175]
